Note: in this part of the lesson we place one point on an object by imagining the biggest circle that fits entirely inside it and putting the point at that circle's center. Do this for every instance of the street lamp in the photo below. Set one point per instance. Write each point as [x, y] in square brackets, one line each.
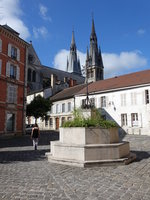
[87, 104]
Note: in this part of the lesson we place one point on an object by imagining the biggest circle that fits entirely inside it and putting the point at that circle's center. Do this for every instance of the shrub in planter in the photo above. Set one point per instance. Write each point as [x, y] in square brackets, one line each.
[94, 121]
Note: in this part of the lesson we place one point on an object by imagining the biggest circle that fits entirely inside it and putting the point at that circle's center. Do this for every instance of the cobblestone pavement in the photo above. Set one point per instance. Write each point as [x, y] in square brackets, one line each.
[27, 175]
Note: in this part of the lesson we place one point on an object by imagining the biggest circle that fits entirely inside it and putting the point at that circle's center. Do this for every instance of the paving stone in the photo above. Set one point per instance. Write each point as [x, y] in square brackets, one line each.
[26, 174]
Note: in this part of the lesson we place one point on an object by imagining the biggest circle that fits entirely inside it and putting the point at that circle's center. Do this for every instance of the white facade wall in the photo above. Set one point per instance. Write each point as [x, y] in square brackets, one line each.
[60, 111]
[126, 101]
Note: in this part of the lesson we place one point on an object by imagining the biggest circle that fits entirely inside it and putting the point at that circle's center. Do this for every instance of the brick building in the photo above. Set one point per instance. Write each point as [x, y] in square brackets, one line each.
[13, 51]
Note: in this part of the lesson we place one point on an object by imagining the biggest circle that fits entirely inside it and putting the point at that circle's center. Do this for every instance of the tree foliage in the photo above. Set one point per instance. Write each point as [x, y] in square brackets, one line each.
[38, 107]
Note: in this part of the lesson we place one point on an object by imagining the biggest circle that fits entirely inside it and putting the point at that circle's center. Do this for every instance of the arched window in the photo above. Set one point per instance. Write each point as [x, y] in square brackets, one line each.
[34, 76]
[29, 74]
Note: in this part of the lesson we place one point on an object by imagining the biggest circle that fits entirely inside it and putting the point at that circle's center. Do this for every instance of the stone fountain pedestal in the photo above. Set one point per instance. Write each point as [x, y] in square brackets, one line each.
[87, 147]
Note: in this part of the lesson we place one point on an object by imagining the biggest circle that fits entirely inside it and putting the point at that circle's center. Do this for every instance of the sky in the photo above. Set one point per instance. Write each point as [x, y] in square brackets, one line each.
[122, 28]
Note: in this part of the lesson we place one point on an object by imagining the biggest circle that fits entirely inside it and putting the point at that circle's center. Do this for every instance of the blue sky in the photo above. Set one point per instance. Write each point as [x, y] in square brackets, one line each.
[122, 28]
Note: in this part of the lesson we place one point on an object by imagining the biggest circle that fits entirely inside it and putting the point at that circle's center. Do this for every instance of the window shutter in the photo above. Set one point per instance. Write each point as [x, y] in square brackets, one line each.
[99, 102]
[9, 50]
[17, 72]
[0, 45]
[143, 97]
[95, 102]
[107, 102]
[18, 54]
[8, 69]
[0, 66]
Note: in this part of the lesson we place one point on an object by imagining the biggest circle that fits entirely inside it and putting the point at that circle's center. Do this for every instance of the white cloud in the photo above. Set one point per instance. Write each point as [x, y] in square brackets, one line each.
[10, 14]
[42, 31]
[43, 12]
[114, 64]
[141, 31]
[60, 60]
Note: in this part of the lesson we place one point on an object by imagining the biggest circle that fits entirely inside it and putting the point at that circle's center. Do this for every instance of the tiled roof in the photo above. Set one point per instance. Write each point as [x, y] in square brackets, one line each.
[67, 93]
[128, 80]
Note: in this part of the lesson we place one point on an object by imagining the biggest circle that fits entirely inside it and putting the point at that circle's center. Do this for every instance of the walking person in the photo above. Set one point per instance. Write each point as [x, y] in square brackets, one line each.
[35, 135]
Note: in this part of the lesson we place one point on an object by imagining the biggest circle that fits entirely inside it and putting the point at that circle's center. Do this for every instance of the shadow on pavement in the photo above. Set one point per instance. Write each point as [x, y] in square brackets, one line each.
[22, 156]
[141, 155]
[25, 140]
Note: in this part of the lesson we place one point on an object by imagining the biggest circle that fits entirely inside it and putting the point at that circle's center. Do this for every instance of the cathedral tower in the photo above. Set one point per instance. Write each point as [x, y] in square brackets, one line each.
[94, 62]
[73, 64]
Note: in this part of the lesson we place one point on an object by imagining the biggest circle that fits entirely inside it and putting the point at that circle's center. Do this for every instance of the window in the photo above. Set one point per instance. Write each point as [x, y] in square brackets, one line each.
[69, 106]
[63, 107]
[46, 121]
[133, 98]
[146, 96]
[12, 94]
[57, 107]
[90, 73]
[92, 102]
[103, 101]
[13, 52]
[51, 121]
[10, 123]
[124, 120]
[12, 71]
[30, 58]
[0, 66]
[52, 109]
[123, 99]
[134, 119]
[62, 120]
[83, 103]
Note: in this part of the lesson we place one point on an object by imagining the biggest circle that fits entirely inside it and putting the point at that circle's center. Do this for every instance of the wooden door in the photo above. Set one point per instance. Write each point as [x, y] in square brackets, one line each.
[57, 123]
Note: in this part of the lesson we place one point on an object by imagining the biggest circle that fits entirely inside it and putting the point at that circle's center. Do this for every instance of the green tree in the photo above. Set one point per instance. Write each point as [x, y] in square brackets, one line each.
[38, 107]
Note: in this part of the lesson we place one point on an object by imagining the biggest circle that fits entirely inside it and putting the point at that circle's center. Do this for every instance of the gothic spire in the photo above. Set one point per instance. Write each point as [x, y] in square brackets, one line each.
[93, 28]
[94, 61]
[73, 39]
[73, 64]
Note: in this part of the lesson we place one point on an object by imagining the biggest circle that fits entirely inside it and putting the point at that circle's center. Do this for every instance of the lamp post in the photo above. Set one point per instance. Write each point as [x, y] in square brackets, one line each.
[87, 104]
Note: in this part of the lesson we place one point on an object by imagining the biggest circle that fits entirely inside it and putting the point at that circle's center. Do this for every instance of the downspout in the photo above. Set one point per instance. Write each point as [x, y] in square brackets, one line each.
[25, 91]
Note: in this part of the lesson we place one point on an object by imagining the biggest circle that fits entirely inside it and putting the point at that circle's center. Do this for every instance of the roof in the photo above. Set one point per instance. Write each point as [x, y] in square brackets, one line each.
[118, 82]
[67, 93]
[10, 29]
[47, 71]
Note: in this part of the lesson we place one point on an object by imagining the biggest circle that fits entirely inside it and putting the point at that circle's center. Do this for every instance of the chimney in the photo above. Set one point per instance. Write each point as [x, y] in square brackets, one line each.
[53, 80]
[72, 82]
[65, 79]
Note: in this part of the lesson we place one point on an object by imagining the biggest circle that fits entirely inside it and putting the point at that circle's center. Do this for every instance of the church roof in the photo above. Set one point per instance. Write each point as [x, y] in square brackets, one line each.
[119, 82]
[47, 71]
